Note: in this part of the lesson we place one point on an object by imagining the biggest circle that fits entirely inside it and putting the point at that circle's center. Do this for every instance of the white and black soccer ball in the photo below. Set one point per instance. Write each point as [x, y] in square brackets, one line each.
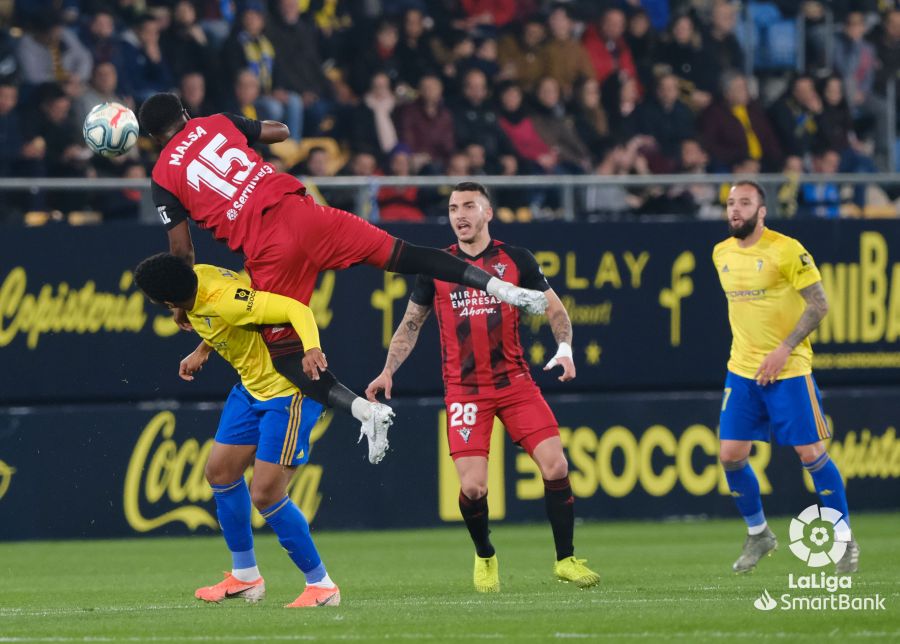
[110, 129]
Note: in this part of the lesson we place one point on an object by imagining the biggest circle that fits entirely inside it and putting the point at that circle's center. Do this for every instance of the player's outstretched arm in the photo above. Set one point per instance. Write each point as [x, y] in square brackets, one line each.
[180, 243]
[561, 326]
[815, 311]
[402, 344]
[273, 132]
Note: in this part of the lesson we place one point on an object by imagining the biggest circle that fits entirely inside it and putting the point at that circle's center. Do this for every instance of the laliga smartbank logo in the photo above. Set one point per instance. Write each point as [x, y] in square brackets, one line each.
[819, 537]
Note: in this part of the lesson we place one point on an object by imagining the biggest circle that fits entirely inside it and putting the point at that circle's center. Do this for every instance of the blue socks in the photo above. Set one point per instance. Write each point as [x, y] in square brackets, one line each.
[288, 522]
[233, 510]
[829, 485]
[744, 488]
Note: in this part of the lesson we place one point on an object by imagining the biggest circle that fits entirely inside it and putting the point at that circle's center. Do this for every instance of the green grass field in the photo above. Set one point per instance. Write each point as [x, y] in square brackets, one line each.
[661, 581]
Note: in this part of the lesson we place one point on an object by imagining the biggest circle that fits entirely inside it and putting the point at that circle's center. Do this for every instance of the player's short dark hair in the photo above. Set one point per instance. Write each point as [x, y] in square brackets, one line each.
[160, 112]
[472, 186]
[166, 278]
[760, 191]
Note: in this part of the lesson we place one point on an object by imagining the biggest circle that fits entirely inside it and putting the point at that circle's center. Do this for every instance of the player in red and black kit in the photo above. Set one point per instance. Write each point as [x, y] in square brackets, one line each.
[208, 172]
[486, 375]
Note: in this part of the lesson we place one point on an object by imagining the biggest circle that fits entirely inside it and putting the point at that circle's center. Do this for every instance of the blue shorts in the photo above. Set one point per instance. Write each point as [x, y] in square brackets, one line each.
[788, 409]
[279, 427]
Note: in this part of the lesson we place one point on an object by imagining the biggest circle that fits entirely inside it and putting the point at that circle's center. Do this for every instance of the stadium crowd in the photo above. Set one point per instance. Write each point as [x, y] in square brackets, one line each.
[466, 88]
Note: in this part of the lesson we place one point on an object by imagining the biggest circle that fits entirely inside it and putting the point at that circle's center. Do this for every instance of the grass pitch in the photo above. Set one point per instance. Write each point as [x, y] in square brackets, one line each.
[661, 581]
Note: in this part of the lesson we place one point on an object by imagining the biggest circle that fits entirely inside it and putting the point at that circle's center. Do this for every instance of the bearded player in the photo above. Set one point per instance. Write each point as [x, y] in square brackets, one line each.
[775, 300]
[207, 171]
[485, 375]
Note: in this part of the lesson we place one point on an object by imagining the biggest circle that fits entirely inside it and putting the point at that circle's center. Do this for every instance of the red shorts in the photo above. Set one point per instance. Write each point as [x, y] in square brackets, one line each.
[300, 239]
[520, 407]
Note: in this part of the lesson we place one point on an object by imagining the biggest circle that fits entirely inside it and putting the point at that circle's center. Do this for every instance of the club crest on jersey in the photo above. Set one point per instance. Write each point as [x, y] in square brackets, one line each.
[759, 265]
[805, 259]
[500, 269]
[465, 432]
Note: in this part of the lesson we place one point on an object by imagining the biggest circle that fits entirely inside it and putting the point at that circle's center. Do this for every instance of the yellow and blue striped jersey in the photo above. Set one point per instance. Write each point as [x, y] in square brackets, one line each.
[225, 315]
[762, 285]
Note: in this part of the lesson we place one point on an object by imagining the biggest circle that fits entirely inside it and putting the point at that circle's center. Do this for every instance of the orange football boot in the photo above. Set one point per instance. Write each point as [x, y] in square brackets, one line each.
[233, 588]
[315, 596]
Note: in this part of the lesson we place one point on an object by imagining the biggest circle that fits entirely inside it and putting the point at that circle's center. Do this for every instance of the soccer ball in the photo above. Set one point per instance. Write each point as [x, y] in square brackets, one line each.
[110, 129]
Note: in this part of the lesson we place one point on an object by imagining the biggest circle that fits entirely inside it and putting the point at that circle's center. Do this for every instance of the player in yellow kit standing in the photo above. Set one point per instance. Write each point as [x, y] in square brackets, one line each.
[775, 300]
[266, 420]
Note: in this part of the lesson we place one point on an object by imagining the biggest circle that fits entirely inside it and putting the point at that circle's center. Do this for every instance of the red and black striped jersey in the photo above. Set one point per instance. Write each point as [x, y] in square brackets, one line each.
[482, 352]
[209, 172]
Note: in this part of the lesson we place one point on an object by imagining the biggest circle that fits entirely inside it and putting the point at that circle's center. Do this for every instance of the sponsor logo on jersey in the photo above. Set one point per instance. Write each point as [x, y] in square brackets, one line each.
[465, 432]
[759, 265]
[246, 295]
[163, 214]
[725, 268]
[192, 137]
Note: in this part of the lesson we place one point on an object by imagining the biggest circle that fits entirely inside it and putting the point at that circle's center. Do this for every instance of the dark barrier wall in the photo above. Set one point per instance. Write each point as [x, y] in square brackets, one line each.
[118, 470]
[644, 298]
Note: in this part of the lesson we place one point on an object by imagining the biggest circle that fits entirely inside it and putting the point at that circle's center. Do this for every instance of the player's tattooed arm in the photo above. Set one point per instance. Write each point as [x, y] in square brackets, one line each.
[816, 309]
[406, 336]
[560, 323]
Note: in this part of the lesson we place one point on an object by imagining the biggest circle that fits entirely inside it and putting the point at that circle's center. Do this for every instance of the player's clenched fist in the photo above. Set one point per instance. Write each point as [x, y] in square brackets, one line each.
[383, 382]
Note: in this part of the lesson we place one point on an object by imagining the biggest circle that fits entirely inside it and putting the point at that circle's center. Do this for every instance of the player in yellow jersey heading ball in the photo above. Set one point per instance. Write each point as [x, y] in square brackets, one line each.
[775, 300]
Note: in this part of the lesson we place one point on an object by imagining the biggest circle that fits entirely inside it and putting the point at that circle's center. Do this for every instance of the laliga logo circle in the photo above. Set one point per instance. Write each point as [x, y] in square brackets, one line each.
[819, 536]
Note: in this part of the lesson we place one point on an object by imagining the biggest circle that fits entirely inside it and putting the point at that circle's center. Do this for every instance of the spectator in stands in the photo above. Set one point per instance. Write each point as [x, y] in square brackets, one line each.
[184, 44]
[125, 205]
[735, 128]
[556, 128]
[380, 56]
[856, 62]
[334, 23]
[145, 70]
[51, 52]
[612, 199]
[426, 126]
[565, 58]
[644, 45]
[836, 132]
[887, 50]
[620, 95]
[372, 128]
[246, 97]
[475, 122]
[53, 144]
[821, 200]
[694, 160]
[723, 45]
[193, 95]
[400, 203]
[665, 118]
[519, 54]
[10, 129]
[102, 40]
[484, 59]
[535, 156]
[691, 61]
[591, 122]
[102, 89]
[249, 48]
[413, 50]
[607, 47]
[795, 116]
[298, 66]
